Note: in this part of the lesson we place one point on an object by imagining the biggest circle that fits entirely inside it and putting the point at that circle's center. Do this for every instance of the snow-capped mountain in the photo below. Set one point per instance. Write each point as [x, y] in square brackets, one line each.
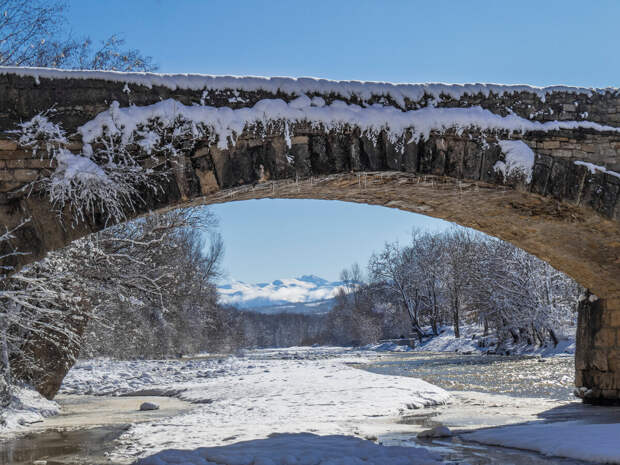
[306, 294]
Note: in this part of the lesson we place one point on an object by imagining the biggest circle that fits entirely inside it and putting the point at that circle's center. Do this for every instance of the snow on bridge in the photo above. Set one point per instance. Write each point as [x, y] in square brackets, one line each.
[80, 150]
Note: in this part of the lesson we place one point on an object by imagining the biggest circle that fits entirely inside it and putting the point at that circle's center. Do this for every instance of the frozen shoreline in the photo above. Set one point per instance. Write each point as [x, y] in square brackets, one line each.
[578, 440]
[468, 343]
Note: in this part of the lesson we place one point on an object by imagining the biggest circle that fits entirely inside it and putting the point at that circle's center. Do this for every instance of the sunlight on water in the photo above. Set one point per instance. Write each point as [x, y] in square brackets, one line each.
[518, 376]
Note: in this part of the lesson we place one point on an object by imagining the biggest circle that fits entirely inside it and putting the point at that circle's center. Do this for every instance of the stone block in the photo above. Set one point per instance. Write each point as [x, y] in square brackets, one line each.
[613, 360]
[19, 155]
[7, 186]
[605, 337]
[34, 163]
[604, 380]
[580, 362]
[74, 146]
[201, 152]
[25, 175]
[599, 360]
[8, 145]
[612, 318]
[578, 378]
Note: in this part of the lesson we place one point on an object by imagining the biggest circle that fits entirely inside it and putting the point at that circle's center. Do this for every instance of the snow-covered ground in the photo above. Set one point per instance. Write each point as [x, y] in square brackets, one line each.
[105, 376]
[573, 439]
[308, 406]
[26, 407]
[469, 343]
[248, 398]
[298, 449]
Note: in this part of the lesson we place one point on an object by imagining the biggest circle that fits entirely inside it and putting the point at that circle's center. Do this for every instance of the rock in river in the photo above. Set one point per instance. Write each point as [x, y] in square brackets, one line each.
[149, 406]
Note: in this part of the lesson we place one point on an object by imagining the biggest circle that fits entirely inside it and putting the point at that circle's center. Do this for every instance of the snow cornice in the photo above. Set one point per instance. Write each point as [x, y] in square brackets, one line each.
[399, 92]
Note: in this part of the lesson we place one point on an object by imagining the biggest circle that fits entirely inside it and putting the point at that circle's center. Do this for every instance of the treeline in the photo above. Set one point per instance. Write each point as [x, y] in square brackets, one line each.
[436, 280]
[453, 278]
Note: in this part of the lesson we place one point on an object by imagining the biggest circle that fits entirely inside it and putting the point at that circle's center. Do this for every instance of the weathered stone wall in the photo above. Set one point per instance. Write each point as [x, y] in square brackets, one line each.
[567, 215]
[598, 351]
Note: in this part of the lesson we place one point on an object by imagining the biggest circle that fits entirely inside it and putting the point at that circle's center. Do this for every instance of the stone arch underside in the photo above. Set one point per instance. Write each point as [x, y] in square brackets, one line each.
[535, 167]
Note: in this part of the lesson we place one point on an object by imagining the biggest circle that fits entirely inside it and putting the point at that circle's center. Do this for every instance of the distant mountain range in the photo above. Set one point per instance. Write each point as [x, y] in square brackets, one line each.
[307, 294]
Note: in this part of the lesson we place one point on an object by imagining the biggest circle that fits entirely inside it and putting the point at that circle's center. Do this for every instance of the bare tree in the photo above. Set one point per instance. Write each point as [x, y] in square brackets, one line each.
[461, 276]
[36, 33]
[154, 278]
[394, 269]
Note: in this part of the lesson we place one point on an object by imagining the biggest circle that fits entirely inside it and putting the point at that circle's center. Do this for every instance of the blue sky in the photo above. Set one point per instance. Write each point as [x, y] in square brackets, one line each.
[280, 238]
[535, 42]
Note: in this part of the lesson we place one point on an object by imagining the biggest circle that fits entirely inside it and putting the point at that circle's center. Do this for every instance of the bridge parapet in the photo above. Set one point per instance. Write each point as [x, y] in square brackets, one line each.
[79, 96]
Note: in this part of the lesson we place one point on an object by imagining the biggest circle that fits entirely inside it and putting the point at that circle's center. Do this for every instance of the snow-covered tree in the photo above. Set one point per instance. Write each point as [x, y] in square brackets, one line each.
[36, 33]
[461, 276]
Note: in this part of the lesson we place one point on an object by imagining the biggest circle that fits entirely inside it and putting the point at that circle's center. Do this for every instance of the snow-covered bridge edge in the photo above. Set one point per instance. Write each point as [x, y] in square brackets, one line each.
[535, 166]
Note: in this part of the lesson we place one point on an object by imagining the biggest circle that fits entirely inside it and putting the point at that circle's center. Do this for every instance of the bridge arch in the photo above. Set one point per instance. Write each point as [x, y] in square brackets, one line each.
[537, 167]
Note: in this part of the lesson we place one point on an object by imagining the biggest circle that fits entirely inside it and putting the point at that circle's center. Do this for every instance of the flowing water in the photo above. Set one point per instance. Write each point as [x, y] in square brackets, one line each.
[85, 431]
[518, 376]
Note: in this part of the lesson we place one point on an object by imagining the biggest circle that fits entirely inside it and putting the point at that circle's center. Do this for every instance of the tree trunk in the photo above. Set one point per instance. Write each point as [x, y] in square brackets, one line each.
[455, 316]
[435, 314]
[554, 337]
[6, 367]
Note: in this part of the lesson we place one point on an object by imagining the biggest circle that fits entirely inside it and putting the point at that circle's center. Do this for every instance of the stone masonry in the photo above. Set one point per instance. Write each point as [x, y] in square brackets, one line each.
[568, 214]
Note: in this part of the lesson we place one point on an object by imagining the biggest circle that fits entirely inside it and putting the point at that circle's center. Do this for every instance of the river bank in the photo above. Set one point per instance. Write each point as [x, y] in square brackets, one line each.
[473, 340]
[85, 429]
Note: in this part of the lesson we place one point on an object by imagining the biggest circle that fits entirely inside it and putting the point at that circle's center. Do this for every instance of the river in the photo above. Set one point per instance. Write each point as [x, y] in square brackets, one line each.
[486, 390]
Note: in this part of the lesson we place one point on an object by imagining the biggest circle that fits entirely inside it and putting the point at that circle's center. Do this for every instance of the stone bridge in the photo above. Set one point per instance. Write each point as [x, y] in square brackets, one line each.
[537, 167]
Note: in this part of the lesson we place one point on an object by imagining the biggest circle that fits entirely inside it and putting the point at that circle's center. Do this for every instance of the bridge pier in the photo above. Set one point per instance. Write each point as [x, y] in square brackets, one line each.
[597, 357]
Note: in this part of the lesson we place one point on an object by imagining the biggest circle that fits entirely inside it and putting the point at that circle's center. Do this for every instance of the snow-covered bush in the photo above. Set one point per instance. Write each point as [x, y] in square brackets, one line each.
[106, 178]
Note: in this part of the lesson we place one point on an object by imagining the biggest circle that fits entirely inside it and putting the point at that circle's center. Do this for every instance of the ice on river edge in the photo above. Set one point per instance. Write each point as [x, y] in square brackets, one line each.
[572, 439]
[25, 407]
[250, 397]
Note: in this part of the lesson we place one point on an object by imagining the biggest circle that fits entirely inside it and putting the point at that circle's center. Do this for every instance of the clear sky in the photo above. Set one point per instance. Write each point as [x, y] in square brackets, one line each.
[276, 238]
[539, 42]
